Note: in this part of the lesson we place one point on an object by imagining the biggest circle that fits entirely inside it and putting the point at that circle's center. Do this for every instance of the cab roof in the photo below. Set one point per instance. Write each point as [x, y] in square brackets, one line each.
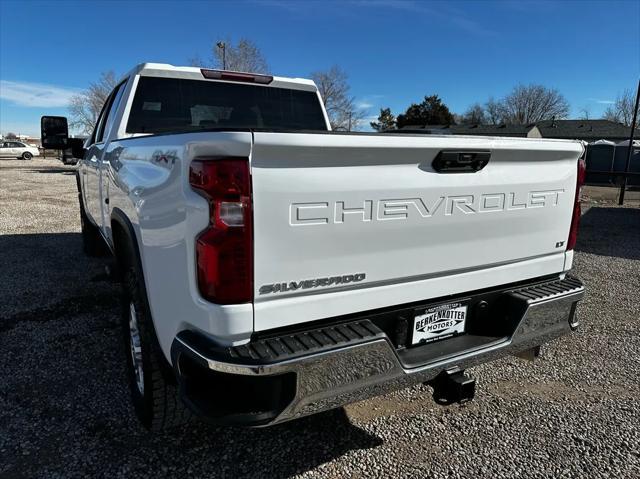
[195, 73]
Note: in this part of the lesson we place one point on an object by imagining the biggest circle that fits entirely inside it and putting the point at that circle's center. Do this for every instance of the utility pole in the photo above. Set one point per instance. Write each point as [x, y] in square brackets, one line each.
[630, 148]
[222, 46]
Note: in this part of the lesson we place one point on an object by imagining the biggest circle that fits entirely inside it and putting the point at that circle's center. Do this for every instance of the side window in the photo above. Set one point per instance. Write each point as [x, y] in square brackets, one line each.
[111, 116]
[95, 135]
[99, 130]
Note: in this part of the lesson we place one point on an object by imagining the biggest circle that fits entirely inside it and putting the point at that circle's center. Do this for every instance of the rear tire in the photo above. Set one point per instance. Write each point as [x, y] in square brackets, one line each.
[154, 389]
[27, 156]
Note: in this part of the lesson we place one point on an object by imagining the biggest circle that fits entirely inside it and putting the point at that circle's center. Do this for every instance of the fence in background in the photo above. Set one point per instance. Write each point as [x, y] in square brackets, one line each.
[606, 165]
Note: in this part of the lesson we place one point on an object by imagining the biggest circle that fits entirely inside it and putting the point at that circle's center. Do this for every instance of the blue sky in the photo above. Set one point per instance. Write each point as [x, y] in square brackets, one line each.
[395, 52]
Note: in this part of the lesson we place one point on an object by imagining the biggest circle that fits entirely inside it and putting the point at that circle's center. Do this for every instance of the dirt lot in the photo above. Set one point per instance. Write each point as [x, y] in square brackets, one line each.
[64, 407]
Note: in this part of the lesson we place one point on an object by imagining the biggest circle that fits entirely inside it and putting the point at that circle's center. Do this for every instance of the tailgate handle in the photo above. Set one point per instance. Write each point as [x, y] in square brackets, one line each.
[460, 161]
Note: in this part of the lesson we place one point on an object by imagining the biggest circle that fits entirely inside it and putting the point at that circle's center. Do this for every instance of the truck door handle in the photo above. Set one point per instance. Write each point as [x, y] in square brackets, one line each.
[460, 161]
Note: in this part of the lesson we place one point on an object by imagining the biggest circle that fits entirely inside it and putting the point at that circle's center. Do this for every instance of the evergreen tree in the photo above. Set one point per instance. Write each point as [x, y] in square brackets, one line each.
[430, 112]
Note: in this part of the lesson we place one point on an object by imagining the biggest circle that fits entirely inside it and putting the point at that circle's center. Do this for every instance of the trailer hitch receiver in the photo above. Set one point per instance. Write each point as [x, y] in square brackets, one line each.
[451, 387]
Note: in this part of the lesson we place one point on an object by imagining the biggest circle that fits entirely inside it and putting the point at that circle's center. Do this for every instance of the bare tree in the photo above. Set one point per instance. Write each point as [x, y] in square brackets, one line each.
[196, 61]
[243, 56]
[585, 113]
[493, 111]
[85, 107]
[334, 90]
[622, 110]
[11, 136]
[531, 103]
[475, 115]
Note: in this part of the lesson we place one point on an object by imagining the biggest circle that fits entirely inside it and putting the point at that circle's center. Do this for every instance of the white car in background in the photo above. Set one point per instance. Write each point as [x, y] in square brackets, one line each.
[17, 149]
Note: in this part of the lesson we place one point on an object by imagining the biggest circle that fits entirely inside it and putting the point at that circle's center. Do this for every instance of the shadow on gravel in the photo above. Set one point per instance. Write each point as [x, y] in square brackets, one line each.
[39, 270]
[64, 171]
[64, 401]
[277, 452]
[610, 231]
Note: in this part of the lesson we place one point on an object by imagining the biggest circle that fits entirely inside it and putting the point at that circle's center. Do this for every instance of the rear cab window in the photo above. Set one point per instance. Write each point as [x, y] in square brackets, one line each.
[163, 105]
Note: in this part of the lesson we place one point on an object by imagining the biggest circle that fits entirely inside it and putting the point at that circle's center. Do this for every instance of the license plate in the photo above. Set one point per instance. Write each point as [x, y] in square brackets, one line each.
[439, 322]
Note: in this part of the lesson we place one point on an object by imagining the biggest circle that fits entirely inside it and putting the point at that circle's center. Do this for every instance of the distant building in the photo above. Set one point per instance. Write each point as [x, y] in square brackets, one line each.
[30, 140]
[514, 131]
[587, 130]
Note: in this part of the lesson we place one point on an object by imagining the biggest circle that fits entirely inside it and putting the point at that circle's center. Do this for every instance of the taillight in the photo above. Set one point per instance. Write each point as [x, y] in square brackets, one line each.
[224, 250]
[575, 219]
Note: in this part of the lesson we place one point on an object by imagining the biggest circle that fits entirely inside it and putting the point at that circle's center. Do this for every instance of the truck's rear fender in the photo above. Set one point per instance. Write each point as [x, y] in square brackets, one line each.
[148, 182]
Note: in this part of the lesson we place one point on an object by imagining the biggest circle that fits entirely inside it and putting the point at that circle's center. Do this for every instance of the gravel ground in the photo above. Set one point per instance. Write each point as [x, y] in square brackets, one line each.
[64, 407]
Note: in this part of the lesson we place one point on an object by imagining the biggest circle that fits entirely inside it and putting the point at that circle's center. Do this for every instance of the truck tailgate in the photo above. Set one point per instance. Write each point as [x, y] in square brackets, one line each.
[348, 223]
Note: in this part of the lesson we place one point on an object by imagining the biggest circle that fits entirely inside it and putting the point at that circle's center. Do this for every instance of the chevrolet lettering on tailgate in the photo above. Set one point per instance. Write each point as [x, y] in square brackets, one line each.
[319, 213]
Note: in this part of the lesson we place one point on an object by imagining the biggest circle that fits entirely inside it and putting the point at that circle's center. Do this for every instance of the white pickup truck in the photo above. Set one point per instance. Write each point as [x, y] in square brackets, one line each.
[272, 268]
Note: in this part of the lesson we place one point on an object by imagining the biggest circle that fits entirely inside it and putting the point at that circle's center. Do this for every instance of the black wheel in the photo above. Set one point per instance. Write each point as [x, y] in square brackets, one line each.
[154, 389]
[26, 155]
[92, 242]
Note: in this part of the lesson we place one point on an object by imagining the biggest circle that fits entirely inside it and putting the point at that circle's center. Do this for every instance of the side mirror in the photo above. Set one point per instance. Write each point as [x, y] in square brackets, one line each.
[77, 148]
[54, 132]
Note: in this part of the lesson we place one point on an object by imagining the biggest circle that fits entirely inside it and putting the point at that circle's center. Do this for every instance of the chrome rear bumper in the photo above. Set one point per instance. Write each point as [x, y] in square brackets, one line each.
[328, 367]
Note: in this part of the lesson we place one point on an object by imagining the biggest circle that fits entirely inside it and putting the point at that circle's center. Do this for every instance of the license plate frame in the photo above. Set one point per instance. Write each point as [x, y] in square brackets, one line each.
[440, 321]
